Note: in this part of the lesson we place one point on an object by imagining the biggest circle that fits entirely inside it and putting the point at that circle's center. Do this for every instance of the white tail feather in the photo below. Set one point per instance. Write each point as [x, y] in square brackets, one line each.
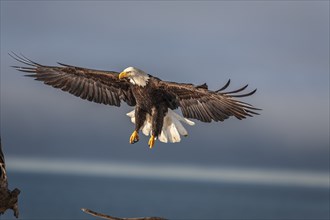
[146, 128]
[163, 137]
[132, 116]
[175, 136]
[180, 118]
[172, 126]
[180, 128]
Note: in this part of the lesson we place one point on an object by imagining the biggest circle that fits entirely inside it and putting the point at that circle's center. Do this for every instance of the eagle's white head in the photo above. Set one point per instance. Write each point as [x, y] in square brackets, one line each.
[135, 76]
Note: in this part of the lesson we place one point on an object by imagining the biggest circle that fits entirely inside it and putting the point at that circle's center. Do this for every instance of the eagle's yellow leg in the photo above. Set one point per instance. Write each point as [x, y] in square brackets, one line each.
[134, 137]
[151, 142]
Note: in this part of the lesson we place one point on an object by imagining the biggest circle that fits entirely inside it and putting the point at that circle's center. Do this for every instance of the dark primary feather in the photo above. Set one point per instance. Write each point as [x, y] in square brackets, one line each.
[94, 85]
[200, 103]
[224, 87]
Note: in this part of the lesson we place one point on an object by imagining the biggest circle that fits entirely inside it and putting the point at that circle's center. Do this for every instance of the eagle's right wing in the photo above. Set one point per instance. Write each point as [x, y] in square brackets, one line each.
[94, 85]
[205, 105]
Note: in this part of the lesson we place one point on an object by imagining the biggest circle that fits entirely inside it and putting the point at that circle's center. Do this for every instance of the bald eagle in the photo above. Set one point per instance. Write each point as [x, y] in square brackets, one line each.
[153, 98]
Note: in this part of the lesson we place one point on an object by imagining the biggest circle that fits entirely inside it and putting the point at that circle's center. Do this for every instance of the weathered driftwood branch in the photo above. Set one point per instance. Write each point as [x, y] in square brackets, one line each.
[8, 199]
[100, 215]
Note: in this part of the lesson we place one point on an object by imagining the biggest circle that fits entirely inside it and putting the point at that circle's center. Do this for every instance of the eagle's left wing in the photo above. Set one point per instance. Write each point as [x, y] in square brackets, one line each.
[200, 103]
[94, 85]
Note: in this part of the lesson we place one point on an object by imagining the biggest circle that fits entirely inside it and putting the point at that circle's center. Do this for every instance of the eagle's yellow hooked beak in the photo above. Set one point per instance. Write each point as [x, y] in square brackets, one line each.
[123, 75]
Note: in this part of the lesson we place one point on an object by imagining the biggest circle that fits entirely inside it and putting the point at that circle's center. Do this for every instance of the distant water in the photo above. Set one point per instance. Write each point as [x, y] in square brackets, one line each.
[60, 196]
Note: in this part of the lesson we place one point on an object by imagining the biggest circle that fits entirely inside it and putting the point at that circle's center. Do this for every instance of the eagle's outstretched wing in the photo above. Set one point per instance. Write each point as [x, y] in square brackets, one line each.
[200, 103]
[94, 85]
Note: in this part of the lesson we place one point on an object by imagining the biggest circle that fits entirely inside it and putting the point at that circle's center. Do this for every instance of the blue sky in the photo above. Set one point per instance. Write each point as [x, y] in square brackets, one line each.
[281, 48]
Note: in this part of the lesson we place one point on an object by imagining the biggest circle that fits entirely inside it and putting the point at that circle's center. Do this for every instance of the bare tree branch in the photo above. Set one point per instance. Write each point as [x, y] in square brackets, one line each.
[8, 199]
[100, 215]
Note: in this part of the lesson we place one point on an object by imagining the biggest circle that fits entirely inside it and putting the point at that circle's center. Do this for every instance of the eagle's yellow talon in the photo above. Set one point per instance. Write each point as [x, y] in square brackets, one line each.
[134, 137]
[151, 142]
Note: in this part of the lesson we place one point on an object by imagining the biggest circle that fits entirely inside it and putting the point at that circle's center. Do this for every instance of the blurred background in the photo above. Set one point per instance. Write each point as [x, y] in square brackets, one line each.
[66, 153]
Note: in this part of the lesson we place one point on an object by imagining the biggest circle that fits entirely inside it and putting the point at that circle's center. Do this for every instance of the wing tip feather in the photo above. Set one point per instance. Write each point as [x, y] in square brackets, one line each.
[224, 87]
